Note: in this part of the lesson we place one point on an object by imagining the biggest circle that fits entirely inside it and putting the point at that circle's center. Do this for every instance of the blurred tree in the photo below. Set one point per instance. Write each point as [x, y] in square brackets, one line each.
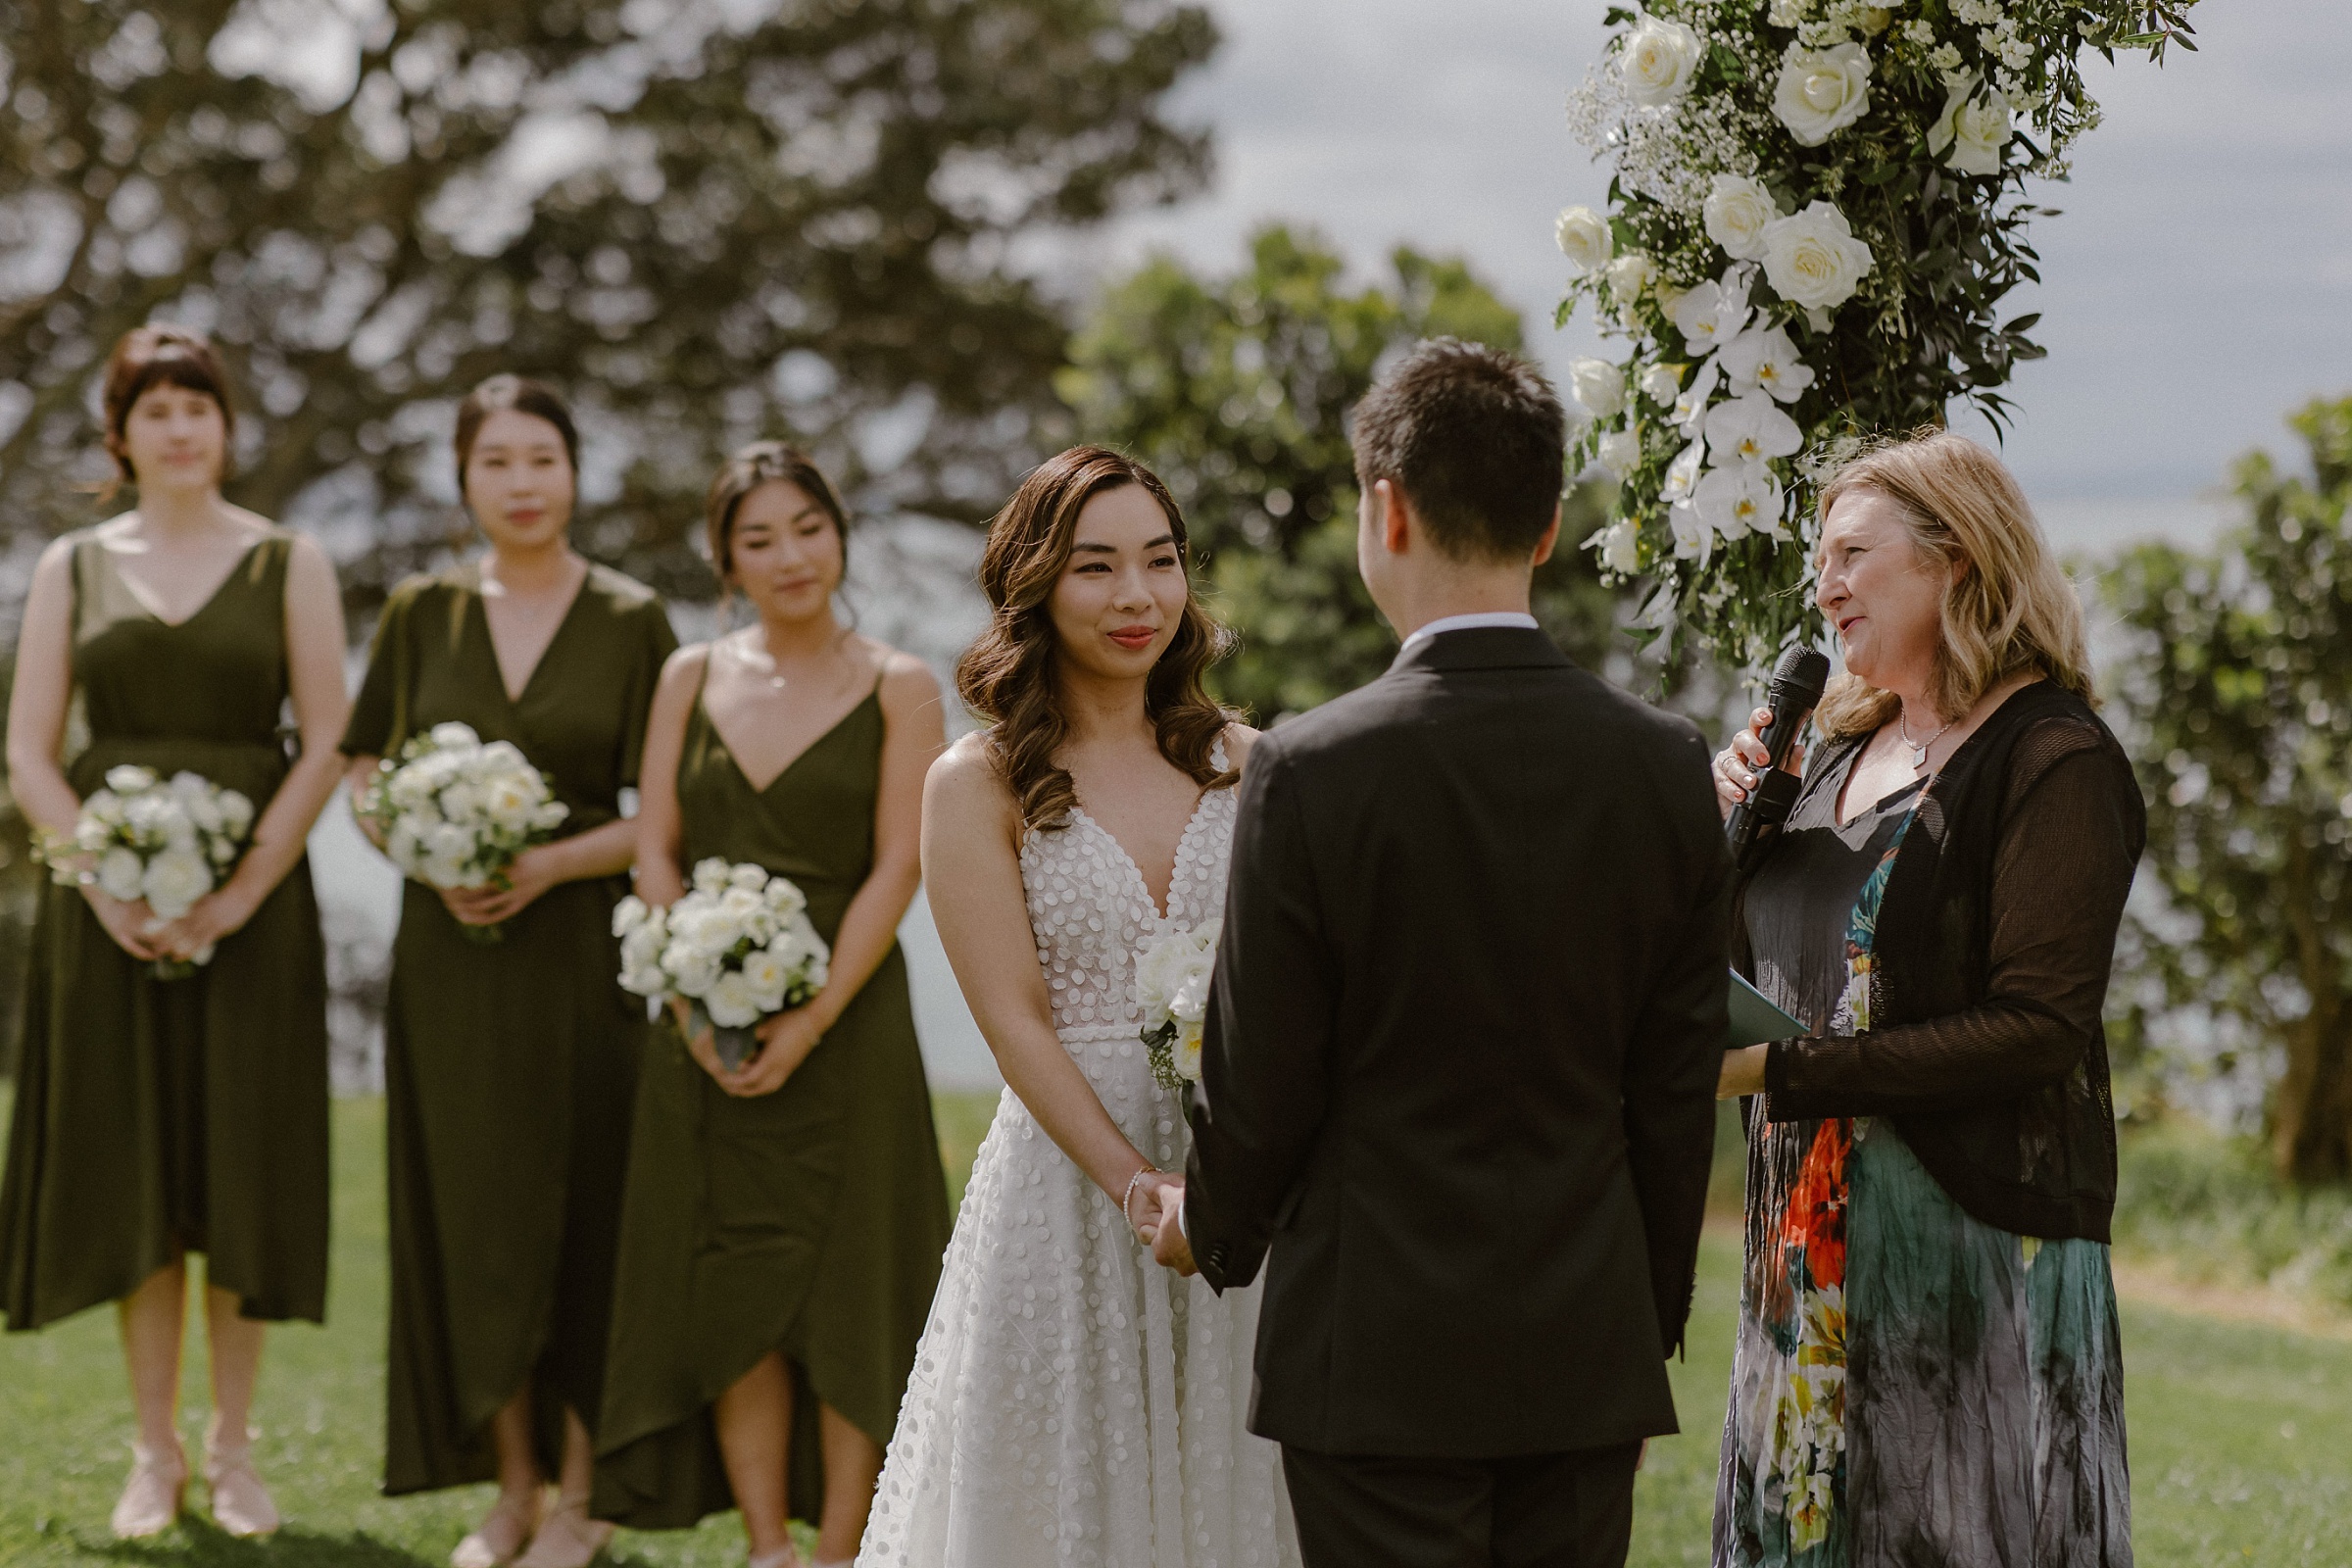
[709, 220]
[2237, 689]
[1237, 390]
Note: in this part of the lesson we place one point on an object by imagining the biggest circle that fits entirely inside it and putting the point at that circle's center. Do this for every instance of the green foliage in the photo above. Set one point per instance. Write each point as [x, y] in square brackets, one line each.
[1884, 354]
[2237, 693]
[708, 223]
[1237, 390]
[2213, 1206]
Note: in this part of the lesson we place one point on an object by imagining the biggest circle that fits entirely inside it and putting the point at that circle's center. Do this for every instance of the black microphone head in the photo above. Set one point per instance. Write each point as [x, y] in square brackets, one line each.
[1802, 676]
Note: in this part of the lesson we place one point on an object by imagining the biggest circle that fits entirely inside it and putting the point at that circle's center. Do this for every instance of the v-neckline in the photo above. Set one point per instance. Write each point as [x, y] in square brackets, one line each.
[235, 570]
[1135, 870]
[798, 758]
[481, 607]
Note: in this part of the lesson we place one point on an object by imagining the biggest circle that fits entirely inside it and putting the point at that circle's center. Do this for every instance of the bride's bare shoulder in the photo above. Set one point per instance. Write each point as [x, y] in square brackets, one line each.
[965, 778]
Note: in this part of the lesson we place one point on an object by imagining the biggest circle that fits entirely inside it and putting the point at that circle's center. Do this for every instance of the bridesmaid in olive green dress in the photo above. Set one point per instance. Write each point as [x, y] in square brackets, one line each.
[785, 1219]
[511, 1065]
[160, 1118]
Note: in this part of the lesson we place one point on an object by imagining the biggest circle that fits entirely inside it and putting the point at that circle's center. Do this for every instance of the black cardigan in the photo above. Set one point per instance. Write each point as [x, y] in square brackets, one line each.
[1995, 938]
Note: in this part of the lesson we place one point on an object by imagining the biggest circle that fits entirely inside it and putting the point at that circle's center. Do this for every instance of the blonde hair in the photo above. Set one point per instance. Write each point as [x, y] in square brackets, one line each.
[2011, 610]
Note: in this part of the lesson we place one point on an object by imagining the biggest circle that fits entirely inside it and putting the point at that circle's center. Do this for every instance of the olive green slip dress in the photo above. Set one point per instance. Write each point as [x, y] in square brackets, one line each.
[155, 1115]
[510, 1067]
[810, 1221]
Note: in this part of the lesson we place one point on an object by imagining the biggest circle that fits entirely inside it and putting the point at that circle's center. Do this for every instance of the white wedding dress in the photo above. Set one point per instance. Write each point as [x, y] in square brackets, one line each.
[1072, 1402]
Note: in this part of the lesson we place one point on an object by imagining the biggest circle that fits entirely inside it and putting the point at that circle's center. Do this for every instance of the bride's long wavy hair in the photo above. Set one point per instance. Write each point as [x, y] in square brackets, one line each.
[1008, 676]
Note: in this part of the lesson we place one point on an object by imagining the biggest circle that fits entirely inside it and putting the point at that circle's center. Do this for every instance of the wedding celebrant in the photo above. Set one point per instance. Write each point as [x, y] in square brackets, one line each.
[1928, 1366]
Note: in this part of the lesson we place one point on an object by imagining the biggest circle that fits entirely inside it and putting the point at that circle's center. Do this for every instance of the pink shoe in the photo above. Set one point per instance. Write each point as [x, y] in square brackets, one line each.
[150, 1501]
[241, 1505]
[500, 1535]
[567, 1539]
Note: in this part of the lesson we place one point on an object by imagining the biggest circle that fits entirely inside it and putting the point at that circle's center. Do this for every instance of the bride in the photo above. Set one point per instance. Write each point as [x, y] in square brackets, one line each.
[1072, 1402]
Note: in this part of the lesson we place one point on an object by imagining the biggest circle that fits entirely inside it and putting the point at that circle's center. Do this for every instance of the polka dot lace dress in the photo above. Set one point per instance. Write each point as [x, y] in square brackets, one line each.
[1074, 1403]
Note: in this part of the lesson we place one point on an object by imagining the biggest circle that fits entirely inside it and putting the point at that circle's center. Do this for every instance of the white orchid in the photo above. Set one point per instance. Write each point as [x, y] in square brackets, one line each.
[1764, 357]
[1682, 474]
[1740, 499]
[1661, 382]
[1711, 315]
[1750, 428]
[1691, 404]
[1619, 452]
[1693, 540]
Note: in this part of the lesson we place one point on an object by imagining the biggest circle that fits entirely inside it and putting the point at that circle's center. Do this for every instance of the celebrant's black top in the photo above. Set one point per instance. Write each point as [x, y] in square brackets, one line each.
[1993, 945]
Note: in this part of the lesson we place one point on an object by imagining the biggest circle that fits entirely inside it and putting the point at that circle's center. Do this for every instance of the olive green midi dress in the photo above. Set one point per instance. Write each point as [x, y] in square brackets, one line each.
[510, 1067]
[810, 1221]
[158, 1116]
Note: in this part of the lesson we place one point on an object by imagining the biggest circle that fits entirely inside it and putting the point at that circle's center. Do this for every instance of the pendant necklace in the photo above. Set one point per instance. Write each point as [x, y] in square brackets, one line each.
[1919, 749]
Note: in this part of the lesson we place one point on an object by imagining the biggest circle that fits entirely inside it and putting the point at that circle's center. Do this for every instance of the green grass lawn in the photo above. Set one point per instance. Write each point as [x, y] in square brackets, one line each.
[2242, 1435]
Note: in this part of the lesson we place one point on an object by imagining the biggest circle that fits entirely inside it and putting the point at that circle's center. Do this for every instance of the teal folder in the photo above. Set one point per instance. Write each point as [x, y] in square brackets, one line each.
[1754, 1020]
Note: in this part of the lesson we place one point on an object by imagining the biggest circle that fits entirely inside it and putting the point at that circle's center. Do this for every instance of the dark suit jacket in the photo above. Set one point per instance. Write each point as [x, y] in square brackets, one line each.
[1461, 1060]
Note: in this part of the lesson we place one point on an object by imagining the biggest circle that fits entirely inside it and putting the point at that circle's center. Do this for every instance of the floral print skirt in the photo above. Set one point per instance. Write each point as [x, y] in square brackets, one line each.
[1910, 1386]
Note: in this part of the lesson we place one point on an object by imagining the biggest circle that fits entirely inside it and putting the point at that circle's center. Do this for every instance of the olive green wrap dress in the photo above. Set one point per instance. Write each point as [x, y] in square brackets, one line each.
[156, 1115]
[810, 1221]
[510, 1067]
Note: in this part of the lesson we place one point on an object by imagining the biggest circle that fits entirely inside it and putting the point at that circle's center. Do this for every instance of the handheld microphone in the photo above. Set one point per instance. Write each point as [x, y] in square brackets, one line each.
[1798, 681]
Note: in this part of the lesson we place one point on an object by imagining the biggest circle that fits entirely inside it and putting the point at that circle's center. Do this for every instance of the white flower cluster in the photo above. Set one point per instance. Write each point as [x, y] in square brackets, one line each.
[738, 945]
[1171, 983]
[169, 842]
[454, 811]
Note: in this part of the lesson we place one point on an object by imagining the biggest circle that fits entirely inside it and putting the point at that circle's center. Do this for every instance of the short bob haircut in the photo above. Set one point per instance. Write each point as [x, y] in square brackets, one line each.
[149, 356]
[765, 462]
[524, 396]
[2011, 610]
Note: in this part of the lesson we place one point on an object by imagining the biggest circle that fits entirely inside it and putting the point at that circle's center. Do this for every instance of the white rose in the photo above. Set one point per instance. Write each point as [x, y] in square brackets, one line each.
[767, 976]
[1598, 385]
[641, 968]
[784, 897]
[1629, 275]
[1736, 209]
[711, 876]
[731, 1003]
[505, 757]
[174, 880]
[1812, 258]
[1749, 428]
[453, 737]
[1620, 453]
[748, 877]
[1583, 238]
[236, 812]
[1710, 314]
[630, 913]
[692, 973]
[1184, 1057]
[1975, 129]
[407, 790]
[1657, 60]
[1660, 382]
[1822, 91]
[129, 779]
[1764, 357]
[121, 874]
[1740, 499]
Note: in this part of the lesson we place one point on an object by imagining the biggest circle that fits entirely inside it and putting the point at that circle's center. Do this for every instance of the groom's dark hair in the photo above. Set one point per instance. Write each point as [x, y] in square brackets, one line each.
[1477, 441]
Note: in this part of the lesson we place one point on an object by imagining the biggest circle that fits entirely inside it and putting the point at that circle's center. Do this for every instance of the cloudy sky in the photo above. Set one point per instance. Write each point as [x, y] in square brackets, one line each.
[2196, 288]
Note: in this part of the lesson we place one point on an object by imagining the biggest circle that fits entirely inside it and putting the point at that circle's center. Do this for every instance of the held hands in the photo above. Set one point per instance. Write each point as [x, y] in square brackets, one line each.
[533, 871]
[1736, 764]
[128, 923]
[1169, 1246]
[785, 1041]
[218, 913]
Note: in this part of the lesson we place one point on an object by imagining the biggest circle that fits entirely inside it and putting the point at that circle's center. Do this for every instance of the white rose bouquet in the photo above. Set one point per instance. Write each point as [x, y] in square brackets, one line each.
[169, 842]
[1816, 210]
[1171, 982]
[455, 811]
[737, 947]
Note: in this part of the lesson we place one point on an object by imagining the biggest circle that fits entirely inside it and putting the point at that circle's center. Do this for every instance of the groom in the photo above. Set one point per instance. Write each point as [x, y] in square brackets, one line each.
[1459, 1085]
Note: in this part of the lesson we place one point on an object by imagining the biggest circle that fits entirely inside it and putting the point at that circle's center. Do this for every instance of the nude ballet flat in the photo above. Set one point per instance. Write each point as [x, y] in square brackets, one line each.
[150, 1501]
[567, 1539]
[495, 1540]
[241, 1505]
[787, 1555]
